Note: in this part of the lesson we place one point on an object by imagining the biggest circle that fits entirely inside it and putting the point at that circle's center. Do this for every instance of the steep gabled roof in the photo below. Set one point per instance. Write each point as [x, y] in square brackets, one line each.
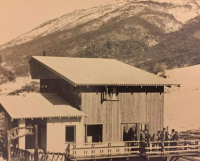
[96, 71]
[38, 105]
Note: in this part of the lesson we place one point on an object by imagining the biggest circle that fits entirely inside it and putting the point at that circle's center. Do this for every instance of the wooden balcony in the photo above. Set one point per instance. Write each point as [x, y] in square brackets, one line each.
[170, 149]
[153, 149]
[104, 150]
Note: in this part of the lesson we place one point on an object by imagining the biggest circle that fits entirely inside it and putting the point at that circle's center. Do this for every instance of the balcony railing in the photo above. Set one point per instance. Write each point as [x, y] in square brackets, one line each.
[170, 148]
[104, 150]
[133, 149]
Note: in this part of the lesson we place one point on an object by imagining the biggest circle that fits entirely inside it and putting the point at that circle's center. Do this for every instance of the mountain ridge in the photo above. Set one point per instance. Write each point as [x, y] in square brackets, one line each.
[77, 12]
[135, 32]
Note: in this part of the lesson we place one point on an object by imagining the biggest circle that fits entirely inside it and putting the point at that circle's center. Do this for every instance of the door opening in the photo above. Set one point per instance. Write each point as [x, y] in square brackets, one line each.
[94, 133]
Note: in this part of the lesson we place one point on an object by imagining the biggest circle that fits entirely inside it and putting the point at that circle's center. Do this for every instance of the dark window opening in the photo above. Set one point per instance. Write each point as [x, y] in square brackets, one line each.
[70, 134]
[94, 133]
[111, 93]
[130, 131]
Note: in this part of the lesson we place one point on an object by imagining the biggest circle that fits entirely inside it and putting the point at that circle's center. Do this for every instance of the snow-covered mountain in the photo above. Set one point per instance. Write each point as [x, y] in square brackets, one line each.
[149, 34]
[182, 10]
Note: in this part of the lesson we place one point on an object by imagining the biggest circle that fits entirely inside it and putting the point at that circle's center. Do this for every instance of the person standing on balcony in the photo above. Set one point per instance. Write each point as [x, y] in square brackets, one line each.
[142, 136]
[131, 134]
[148, 138]
[163, 139]
[125, 135]
[147, 135]
[170, 137]
[175, 137]
[159, 136]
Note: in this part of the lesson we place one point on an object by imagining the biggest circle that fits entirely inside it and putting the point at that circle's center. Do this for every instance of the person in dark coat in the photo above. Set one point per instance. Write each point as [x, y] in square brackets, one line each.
[131, 137]
[131, 134]
[171, 135]
[175, 137]
[163, 139]
[159, 135]
[142, 136]
[125, 135]
[147, 135]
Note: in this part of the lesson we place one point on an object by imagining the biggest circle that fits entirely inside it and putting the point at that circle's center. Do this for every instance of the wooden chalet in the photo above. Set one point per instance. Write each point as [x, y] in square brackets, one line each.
[88, 102]
[111, 94]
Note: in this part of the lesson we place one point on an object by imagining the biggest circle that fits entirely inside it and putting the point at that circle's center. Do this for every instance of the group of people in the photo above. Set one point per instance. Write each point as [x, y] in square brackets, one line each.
[163, 135]
[145, 136]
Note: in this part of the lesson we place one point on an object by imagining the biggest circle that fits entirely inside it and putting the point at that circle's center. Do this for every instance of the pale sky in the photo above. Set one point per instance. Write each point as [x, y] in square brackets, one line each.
[20, 16]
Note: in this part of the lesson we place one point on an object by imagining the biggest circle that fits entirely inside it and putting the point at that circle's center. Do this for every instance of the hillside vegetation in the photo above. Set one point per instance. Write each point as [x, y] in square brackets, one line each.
[147, 34]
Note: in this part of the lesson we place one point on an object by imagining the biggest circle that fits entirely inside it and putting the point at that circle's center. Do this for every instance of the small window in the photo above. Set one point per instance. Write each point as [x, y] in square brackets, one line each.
[70, 134]
[111, 93]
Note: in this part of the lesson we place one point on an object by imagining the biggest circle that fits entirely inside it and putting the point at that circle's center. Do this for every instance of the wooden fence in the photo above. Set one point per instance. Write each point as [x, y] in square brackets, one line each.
[91, 151]
[170, 148]
[104, 150]
[21, 155]
[52, 156]
[134, 149]
[16, 133]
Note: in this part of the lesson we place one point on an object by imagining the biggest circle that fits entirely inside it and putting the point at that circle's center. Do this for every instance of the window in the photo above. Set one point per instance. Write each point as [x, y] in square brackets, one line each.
[70, 134]
[111, 93]
[94, 133]
[129, 132]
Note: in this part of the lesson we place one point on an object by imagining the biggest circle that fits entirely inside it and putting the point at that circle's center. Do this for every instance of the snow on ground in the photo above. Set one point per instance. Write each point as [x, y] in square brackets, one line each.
[182, 105]
[12, 86]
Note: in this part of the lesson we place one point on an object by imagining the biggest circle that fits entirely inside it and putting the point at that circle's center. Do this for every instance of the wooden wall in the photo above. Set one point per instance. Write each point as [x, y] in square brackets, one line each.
[62, 88]
[135, 105]
[40, 72]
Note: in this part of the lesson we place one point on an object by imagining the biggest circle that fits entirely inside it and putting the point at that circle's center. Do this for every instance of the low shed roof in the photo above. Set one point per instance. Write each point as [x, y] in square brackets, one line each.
[96, 71]
[38, 105]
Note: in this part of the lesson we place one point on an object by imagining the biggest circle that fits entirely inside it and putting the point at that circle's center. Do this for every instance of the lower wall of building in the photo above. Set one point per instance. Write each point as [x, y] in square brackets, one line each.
[56, 133]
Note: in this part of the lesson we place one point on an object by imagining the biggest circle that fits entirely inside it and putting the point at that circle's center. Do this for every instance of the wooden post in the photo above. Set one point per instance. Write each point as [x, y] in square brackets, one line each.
[8, 146]
[36, 143]
[138, 131]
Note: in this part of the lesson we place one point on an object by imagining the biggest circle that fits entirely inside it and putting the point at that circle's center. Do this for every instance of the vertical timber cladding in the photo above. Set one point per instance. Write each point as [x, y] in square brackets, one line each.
[38, 71]
[135, 105]
[98, 112]
[62, 88]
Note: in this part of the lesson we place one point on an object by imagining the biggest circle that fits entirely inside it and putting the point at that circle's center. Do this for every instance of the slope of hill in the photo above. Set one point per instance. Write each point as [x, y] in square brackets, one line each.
[132, 31]
[178, 49]
[182, 104]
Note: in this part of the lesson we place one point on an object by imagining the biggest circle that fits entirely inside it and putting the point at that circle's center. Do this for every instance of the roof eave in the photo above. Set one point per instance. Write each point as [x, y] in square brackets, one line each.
[48, 117]
[88, 84]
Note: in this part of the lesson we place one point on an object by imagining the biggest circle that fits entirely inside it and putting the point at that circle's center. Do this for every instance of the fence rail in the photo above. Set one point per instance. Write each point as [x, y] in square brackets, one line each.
[25, 155]
[52, 156]
[170, 148]
[21, 155]
[134, 149]
[104, 150]
[114, 150]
